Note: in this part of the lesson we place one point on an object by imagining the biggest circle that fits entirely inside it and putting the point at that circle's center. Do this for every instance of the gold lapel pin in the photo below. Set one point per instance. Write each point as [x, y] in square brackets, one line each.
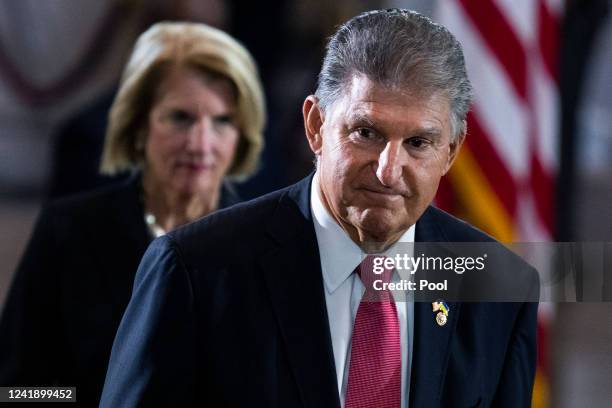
[442, 310]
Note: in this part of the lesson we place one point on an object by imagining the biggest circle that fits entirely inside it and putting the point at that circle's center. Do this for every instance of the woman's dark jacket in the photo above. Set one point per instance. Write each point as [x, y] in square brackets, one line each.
[72, 287]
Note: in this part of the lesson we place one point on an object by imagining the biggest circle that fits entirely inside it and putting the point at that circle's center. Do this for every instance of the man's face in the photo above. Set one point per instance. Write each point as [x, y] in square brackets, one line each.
[381, 155]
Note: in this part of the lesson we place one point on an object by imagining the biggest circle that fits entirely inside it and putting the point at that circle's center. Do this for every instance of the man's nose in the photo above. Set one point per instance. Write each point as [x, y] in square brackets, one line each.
[389, 171]
[201, 137]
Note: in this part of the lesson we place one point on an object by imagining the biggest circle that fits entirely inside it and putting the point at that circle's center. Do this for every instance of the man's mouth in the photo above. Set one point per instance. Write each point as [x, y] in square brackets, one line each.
[383, 191]
[383, 194]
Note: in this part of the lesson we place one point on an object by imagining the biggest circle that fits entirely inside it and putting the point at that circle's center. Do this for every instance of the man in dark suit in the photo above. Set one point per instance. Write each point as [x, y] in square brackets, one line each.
[267, 303]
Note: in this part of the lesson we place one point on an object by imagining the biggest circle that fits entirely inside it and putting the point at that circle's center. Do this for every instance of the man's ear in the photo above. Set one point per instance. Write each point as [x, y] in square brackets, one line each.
[313, 122]
[455, 147]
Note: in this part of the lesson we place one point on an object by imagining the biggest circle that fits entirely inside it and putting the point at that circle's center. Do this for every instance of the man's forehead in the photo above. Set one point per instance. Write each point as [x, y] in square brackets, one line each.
[361, 90]
[366, 101]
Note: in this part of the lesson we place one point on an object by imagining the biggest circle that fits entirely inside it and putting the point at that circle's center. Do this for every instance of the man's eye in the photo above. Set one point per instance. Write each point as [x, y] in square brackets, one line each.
[417, 142]
[366, 133]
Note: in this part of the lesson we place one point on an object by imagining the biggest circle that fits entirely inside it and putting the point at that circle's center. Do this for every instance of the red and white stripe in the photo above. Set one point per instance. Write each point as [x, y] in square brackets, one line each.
[511, 151]
[510, 49]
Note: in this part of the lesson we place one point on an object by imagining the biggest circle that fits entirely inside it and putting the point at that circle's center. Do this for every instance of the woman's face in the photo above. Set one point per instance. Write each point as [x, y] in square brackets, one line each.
[192, 133]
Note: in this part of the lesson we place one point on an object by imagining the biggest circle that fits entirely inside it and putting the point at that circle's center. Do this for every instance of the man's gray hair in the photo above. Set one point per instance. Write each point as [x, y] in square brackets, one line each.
[401, 50]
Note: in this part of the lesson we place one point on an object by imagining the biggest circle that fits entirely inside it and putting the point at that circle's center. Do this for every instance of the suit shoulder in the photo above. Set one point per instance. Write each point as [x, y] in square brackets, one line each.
[455, 229]
[511, 272]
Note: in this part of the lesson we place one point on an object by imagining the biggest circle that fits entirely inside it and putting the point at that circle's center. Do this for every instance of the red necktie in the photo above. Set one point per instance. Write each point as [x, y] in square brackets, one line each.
[375, 367]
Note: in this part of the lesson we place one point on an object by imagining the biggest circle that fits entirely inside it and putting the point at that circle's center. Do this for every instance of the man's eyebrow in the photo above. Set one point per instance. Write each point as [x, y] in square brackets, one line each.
[360, 118]
[432, 132]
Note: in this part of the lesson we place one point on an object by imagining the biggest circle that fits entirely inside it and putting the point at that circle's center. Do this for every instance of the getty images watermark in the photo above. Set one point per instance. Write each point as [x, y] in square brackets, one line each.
[414, 264]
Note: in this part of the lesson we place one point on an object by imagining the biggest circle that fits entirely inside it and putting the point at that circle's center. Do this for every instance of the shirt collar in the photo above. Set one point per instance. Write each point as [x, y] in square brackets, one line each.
[339, 254]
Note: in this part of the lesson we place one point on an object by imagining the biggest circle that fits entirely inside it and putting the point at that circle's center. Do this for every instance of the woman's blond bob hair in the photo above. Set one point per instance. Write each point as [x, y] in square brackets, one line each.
[196, 46]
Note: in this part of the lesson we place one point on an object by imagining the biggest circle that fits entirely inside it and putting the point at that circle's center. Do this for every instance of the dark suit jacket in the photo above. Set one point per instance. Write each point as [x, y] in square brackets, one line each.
[230, 311]
[71, 289]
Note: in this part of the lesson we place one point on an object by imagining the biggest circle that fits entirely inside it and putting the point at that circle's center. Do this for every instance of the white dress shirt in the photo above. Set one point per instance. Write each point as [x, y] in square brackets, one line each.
[343, 291]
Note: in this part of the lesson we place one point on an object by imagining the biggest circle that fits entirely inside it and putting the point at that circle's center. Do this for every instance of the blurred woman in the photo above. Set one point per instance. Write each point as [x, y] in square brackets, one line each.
[188, 117]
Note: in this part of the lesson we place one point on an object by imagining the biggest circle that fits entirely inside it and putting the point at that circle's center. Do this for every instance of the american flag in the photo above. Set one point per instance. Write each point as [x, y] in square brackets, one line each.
[503, 181]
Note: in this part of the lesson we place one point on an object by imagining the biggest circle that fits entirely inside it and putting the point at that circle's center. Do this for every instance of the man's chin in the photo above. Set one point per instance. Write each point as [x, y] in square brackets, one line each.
[382, 226]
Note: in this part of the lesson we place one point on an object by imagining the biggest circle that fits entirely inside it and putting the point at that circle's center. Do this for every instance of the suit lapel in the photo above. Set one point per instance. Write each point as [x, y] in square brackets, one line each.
[431, 348]
[292, 272]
